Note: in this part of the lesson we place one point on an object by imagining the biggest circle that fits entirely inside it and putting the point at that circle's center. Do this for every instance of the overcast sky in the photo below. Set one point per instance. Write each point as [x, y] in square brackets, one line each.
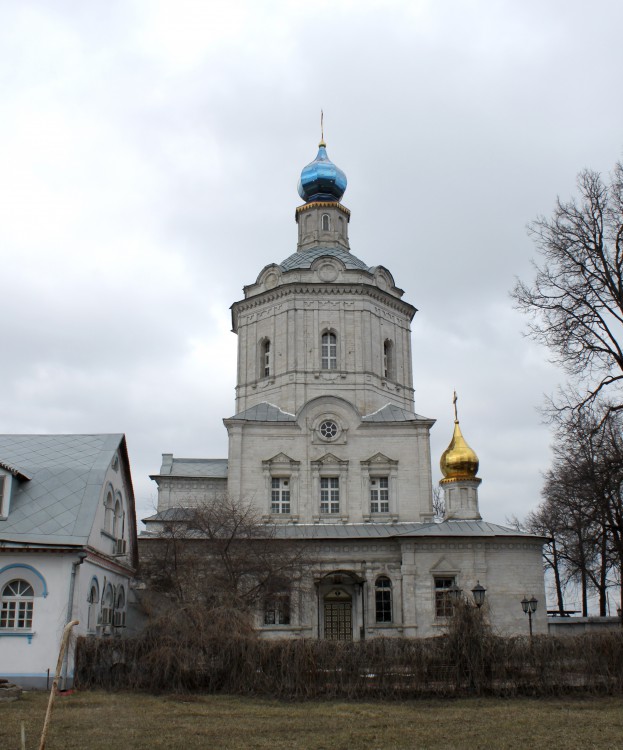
[149, 155]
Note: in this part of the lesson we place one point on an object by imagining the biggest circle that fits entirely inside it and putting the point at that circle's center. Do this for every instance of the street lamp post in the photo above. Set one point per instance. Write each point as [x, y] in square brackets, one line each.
[529, 606]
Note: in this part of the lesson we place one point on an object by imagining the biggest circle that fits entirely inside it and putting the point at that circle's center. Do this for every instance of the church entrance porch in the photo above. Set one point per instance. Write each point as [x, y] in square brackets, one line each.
[338, 616]
[340, 606]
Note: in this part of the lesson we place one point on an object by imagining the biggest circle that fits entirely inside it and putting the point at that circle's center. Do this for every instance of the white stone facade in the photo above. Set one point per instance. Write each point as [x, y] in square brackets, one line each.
[326, 443]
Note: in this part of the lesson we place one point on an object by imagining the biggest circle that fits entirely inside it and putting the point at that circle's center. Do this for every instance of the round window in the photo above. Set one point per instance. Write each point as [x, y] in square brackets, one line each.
[328, 429]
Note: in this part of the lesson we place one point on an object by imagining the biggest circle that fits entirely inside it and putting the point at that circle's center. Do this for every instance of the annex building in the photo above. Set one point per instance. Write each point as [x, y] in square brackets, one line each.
[68, 548]
[325, 440]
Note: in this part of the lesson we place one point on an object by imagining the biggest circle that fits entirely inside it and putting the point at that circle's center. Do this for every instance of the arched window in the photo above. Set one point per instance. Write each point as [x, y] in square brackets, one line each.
[17, 605]
[108, 601]
[388, 359]
[265, 358]
[109, 513]
[93, 600]
[326, 222]
[329, 351]
[119, 613]
[341, 225]
[277, 608]
[117, 527]
[383, 599]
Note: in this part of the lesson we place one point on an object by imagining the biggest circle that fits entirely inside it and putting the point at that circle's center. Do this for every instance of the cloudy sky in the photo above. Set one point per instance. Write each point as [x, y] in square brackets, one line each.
[149, 154]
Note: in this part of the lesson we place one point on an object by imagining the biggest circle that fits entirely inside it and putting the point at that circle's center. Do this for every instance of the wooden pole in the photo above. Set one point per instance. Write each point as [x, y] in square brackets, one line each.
[59, 665]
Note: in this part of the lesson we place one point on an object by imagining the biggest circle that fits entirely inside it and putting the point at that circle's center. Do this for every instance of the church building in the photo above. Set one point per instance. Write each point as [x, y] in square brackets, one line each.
[325, 441]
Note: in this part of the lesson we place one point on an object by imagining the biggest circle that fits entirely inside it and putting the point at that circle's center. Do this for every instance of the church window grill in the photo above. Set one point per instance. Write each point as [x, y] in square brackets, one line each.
[326, 222]
[329, 495]
[379, 495]
[328, 429]
[443, 599]
[17, 606]
[329, 351]
[388, 359]
[265, 358]
[383, 599]
[277, 609]
[280, 495]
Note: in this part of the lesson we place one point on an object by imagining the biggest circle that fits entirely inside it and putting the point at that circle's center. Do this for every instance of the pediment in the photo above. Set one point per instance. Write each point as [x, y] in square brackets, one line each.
[328, 458]
[280, 458]
[379, 458]
[443, 565]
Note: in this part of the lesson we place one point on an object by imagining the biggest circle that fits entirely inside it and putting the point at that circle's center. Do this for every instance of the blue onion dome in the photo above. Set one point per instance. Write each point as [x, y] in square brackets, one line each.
[321, 180]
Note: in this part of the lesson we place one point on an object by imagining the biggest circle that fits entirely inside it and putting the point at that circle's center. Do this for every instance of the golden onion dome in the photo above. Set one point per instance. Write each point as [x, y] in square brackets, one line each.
[458, 461]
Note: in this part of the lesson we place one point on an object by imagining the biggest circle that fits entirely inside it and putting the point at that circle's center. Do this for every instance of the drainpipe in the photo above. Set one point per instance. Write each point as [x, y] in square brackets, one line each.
[362, 631]
[70, 607]
[317, 584]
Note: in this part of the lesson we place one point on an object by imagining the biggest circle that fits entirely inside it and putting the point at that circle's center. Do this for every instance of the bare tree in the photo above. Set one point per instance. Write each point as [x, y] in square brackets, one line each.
[582, 508]
[545, 521]
[219, 558]
[439, 504]
[575, 303]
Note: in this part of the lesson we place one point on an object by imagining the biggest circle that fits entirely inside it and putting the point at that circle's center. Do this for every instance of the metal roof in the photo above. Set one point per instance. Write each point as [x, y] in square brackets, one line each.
[171, 514]
[265, 412]
[305, 258]
[366, 531]
[355, 531]
[212, 468]
[59, 502]
[393, 413]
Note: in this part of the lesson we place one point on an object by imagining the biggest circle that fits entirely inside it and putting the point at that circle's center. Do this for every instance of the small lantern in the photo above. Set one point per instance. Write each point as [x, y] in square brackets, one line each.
[478, 593]
[529, 608]
[454, 592]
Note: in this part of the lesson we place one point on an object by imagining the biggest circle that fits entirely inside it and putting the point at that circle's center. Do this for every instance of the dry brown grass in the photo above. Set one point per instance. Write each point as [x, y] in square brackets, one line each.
[99, 721]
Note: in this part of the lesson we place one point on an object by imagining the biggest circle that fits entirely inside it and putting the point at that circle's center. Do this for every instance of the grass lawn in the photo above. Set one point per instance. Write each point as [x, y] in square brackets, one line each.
[99, 721]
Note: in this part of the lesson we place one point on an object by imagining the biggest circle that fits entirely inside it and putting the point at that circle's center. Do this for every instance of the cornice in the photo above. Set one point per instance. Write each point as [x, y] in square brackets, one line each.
[329, 289]
[475, 481]
[321, 204]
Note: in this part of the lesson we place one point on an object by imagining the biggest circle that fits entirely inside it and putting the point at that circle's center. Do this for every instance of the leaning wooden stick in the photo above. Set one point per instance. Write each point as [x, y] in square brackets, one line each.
[61, 656]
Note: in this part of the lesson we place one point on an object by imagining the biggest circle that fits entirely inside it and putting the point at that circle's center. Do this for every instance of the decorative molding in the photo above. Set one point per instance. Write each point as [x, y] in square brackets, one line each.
[316, 289]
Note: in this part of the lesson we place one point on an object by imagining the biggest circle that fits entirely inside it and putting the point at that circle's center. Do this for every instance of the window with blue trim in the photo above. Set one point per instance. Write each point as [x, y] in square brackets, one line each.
[17, 606]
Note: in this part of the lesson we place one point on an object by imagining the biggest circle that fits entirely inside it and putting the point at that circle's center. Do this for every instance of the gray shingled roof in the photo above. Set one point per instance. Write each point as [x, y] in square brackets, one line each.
[58, 504]
[265, 412]
[305, 258]
[393, 413]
